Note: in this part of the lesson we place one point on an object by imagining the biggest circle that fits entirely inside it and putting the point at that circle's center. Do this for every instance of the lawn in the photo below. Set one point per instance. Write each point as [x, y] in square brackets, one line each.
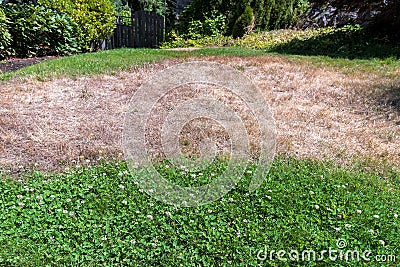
[69, 199]
[97, 215]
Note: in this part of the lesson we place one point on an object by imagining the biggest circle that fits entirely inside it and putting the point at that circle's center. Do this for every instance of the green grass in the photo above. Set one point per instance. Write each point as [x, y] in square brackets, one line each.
[114, 61]
[348, 42]
[96, 215]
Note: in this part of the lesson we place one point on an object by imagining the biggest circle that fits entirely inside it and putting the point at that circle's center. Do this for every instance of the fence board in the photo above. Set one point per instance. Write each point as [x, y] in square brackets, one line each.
[147, 30]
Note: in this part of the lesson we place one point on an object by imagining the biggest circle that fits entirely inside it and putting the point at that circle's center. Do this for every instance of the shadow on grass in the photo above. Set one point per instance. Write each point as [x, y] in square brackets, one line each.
[391, 98]
[349, 43]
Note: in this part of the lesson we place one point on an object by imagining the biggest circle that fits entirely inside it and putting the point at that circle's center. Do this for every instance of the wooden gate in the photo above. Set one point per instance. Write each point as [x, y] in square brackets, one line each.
[122, 36]
[149, 29]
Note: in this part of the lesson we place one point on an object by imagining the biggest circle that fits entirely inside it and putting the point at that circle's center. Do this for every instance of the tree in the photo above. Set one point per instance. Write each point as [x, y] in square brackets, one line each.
[243, 23]
[269, 14]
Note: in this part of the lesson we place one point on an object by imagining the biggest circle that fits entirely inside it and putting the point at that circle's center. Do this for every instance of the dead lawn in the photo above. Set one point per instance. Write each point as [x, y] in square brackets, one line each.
[320, 113]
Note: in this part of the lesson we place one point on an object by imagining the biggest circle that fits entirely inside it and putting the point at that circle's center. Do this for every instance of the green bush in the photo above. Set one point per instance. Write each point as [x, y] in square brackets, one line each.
[5, 37]
[269, 14]
[211, 26]
[38, 31]
[96, 18]
[243, 23]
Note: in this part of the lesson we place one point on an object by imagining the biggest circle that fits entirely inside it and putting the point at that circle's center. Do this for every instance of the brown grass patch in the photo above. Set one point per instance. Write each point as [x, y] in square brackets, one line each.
[320, 113]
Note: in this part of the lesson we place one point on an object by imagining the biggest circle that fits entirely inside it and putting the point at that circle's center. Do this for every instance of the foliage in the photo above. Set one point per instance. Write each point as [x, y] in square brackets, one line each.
[5, 36]
[350, 41]
[123, 11]
[387, 18]
[96, 18]
[211, 26]
[176, 41]
[269, 14]
[244, 23]
[97, 215]
[38, 30]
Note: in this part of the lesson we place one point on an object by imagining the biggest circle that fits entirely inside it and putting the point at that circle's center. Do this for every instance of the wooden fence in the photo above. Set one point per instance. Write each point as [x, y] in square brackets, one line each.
[147, 31]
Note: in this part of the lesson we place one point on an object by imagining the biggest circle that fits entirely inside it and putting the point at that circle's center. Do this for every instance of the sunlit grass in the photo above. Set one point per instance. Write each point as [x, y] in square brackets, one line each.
[99, 216]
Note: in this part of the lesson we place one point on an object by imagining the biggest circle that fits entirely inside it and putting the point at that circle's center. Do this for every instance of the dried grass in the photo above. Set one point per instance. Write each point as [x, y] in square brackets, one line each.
[320, 113]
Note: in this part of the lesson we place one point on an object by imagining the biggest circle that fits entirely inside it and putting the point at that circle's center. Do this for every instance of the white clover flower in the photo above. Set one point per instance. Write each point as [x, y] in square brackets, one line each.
[19, 196]
[376, 216]
[312, 193]
[347, 225]
[359, 211]
[168, 214]
[209, 211]
[249, 172]
[230, 199]
[269, 197]
[65, 211]
[121, 187]
[21, 204]
[124, 202]
[328, 209]
[238, 234]
[396, 215]
[371, 231]
[316, 207]
[149, 217]
[245, 221]
[382, 242]
[337, 229]
[52, 196]
[132, 241]
[104, 238]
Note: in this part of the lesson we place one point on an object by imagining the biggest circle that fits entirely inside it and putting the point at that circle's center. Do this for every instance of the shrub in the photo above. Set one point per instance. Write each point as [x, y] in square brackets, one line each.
[96, 18]
[244, 23]
[5, 37]
[268, 14]
[211, 26]
[38, 31]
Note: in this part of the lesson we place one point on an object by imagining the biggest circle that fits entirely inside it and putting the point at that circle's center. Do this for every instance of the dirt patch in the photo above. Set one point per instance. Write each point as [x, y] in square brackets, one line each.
[14, 64]
[319, 113]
